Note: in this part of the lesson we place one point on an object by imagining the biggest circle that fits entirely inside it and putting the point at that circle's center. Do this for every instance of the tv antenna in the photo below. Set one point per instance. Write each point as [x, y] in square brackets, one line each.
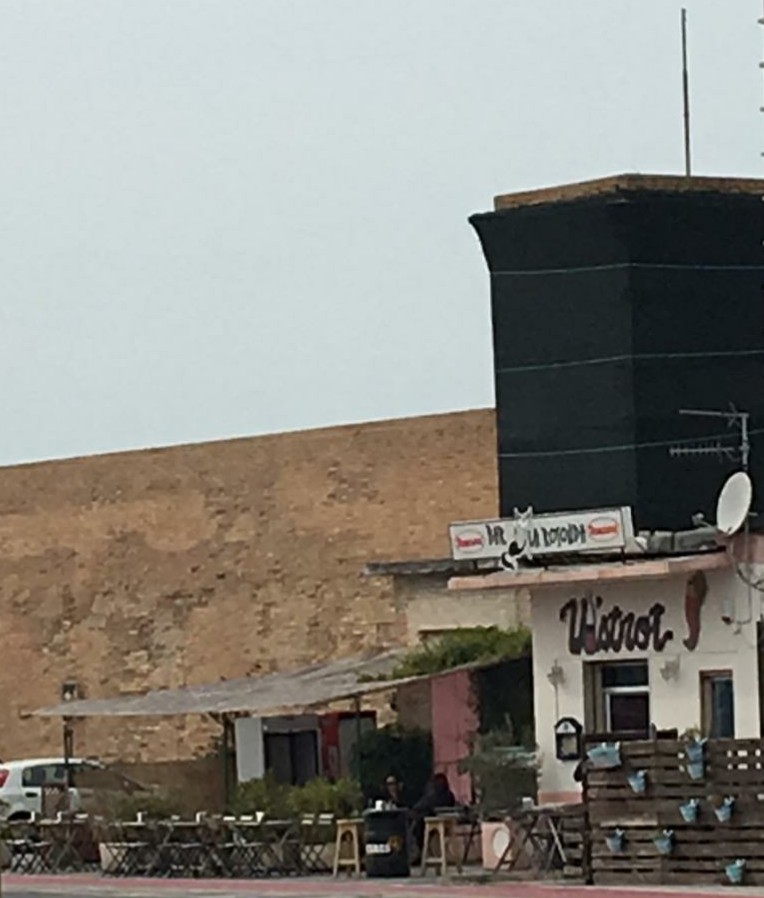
[715, 447]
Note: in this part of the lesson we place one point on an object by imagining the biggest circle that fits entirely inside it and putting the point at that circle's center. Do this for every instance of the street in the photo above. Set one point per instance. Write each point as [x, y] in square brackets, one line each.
[323, 887]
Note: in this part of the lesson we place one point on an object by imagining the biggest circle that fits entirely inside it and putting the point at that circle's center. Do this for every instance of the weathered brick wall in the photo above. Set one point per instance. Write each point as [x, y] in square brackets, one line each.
[431, 607]
[190, 564]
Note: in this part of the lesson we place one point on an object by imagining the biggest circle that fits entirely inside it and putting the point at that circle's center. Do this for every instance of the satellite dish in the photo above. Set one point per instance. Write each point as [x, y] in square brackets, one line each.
[734, 503]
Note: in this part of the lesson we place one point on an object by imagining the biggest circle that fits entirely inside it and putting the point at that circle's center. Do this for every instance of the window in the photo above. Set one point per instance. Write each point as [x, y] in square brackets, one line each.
[43, 775]
[717, 704]
[292, 757]
[617, 698]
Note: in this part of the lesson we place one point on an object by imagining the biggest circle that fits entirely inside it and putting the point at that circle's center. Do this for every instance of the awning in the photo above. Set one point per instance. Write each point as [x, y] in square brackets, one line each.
[273, 694]
[596, 572]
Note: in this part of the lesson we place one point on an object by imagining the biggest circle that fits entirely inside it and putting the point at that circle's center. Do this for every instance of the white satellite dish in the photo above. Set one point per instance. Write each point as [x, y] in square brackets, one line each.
[734, 503]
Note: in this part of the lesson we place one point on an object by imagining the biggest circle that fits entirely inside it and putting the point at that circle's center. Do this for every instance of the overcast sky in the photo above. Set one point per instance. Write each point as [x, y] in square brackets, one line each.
[235, 217]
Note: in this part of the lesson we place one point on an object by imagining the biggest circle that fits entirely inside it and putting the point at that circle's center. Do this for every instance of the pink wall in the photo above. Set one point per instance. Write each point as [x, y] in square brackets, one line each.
[454, 723]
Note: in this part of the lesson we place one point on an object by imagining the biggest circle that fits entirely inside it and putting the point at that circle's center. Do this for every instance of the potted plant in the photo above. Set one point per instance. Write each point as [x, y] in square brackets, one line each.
[665, 842]
[318, 805]
[505, 775]
[689, 810]
[694, 750]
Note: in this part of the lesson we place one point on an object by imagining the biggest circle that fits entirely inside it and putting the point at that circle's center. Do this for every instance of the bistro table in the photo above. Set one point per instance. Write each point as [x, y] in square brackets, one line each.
[537, 836]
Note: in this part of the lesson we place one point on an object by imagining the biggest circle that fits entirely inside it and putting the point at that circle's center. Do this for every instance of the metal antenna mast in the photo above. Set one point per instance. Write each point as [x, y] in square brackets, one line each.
[734, 418]
[686, 98]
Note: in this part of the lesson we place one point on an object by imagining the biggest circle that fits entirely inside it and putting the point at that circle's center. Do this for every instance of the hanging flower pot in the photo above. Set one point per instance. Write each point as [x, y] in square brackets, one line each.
[689, 810]
[615, 841]
[605, 756]
[665, 841]
[724, 811]
[696, 770]
[638, 781]
[695, 749]
[735, 871]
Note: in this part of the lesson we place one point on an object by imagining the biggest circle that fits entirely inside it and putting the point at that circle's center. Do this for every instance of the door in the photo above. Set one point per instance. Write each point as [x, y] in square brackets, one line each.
[32, 781]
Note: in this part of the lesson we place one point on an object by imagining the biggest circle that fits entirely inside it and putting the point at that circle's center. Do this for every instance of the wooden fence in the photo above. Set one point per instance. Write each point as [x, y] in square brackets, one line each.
[624, 824]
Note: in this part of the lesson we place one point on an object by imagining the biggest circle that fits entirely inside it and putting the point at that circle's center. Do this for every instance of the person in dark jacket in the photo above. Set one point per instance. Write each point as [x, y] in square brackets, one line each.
[437, 795]
[392, 794]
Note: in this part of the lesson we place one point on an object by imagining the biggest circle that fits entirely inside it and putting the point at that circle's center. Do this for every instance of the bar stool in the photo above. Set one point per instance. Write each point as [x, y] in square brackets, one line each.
[444, 828]
[348, 830]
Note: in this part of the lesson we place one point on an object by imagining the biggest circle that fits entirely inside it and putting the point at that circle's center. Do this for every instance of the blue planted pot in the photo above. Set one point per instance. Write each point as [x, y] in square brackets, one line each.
[615, 841]
[696, 770]
[638, 781]
[665, 842]
[605, 756]
[724, 812]
[694, 750]
[735, 872]
[690, 810]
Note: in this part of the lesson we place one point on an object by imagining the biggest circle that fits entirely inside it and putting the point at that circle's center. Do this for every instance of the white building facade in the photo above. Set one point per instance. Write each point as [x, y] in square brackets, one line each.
[643, 645]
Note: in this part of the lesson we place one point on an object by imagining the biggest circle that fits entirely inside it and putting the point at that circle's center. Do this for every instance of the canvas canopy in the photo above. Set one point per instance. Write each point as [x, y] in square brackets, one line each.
[272, 694]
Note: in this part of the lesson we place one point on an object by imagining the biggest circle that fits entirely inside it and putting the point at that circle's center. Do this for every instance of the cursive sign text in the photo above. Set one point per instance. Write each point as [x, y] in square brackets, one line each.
[591, 630]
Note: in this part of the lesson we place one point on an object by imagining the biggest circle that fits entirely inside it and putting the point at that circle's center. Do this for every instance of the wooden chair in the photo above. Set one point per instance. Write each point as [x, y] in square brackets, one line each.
[348, 830]
[443, 829]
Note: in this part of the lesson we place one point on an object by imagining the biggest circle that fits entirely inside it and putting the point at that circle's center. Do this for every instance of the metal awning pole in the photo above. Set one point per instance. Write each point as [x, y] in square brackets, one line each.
[357, 709]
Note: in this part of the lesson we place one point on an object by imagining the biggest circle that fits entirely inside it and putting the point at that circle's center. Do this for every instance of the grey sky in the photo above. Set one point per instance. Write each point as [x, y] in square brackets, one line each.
[241, 216]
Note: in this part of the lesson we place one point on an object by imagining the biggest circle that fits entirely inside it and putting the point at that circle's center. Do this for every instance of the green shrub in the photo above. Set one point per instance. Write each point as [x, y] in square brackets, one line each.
[407, 754]
[264, 795]
[320, 796]
[464, 646]
[503, 771]
[279, 800]
[154, 804]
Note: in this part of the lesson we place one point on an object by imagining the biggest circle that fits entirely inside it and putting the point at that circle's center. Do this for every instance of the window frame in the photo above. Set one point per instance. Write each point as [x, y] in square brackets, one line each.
[707, 679]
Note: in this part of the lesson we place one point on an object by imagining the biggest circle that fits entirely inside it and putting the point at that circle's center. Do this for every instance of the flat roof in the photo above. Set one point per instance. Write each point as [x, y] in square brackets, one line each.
[628, 183]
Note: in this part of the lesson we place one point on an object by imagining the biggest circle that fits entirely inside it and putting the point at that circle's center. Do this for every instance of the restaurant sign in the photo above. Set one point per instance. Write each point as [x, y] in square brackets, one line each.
[527, 534]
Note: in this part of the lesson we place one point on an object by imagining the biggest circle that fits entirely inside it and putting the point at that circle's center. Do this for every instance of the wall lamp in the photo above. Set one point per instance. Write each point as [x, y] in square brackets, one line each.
[556, 674]
[670, 669]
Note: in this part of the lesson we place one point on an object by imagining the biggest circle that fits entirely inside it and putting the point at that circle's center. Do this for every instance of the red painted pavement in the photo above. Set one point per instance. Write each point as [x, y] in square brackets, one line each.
[378, 888]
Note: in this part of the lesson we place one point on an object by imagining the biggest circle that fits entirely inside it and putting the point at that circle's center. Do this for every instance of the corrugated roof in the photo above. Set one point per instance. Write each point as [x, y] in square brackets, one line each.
[271, 695]
[278, 693]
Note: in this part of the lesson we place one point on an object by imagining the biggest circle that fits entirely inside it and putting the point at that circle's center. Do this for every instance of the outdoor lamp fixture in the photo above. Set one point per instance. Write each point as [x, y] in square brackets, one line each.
[70, 691]
[556, 674]
[670, 669]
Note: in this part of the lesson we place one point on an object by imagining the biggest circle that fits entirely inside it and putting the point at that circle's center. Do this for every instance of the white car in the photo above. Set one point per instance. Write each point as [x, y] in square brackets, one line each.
[21, 784]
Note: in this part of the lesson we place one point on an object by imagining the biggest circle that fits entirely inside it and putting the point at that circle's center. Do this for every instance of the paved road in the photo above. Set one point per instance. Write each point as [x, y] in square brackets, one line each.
[325, 887]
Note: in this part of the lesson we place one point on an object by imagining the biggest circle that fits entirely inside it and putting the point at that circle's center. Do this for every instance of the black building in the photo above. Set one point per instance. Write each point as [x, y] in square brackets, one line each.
[615, 304]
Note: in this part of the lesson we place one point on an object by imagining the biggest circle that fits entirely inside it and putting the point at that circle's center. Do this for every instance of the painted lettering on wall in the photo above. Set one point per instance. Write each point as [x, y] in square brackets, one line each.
[694, 596]
[592, 630]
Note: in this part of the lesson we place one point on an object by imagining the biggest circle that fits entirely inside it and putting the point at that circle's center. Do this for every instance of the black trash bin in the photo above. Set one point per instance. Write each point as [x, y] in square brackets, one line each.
[386, 843]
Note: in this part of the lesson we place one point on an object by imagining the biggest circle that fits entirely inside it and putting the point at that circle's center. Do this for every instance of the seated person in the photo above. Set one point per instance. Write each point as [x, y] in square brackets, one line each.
[392, 795]
[437, 795]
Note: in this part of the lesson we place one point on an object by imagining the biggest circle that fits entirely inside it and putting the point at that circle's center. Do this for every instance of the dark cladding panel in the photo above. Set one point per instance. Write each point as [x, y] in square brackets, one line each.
[558, 484]
[563, 236]
[672, 489]
[684, 228]
[562, 409]
[544, 319]
[610, 314]
[695, 310]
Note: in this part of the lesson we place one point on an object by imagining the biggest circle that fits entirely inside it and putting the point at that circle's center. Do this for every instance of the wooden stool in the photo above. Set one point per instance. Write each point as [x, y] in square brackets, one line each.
[348, 830]
[445, 829]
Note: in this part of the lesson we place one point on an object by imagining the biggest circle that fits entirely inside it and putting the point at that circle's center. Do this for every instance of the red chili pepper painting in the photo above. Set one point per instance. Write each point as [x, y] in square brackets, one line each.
[694, 596]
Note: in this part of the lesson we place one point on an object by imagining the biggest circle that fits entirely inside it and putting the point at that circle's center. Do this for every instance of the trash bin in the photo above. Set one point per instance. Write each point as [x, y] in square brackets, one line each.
[386, 843]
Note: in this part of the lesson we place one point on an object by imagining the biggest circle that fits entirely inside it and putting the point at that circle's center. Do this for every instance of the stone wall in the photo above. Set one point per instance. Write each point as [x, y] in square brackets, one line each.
[191, 564]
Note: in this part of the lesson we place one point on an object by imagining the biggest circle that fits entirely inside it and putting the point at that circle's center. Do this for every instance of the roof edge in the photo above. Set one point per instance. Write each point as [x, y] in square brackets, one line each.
[628, 183]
